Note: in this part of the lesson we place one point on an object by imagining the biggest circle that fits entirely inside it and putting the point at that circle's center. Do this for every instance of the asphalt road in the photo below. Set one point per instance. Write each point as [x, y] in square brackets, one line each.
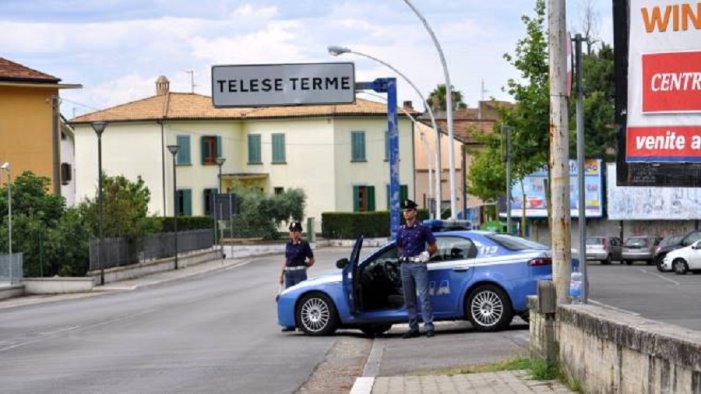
[642, 290]
[215, 332]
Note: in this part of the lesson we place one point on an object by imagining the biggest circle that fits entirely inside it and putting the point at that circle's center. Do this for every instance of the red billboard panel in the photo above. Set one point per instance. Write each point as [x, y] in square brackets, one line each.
[672, 82]
[665, 144]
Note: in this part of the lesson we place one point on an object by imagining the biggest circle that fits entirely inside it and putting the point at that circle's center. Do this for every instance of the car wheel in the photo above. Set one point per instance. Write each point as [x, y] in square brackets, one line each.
[376, 329]
[679, 266]
[316, 315]
[488, 308]
[628, 262]
[607, 261]
[658, 263]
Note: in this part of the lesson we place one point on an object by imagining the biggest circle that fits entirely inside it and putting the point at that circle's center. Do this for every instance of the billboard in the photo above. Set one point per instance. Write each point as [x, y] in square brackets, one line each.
[534, 186]
[650, 203]
[658, 92]
[283, 84]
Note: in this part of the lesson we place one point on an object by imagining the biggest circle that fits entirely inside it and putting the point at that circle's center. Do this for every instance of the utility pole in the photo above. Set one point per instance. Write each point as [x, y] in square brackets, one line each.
[192, 80]
[559, 148]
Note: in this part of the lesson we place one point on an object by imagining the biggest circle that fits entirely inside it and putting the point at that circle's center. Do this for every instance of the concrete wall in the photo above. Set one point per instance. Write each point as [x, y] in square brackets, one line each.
[612, 352]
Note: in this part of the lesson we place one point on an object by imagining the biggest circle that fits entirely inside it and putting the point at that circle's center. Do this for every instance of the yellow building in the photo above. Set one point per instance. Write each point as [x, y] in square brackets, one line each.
[30, 137]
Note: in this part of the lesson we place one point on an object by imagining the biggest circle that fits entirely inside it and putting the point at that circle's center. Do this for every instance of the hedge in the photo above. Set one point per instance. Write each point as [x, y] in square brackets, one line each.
[348, 225]
[167, 224]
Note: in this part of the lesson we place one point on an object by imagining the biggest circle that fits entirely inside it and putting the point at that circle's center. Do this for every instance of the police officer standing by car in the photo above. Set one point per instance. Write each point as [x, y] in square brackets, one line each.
[298, 257]
[413, 256]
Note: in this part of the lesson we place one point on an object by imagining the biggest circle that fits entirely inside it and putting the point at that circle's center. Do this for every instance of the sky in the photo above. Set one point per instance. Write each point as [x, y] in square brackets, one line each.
[117, 49]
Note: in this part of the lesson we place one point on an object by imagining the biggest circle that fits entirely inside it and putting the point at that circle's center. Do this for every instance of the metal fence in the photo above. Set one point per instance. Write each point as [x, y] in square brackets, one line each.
[116, 252]
[11, 268]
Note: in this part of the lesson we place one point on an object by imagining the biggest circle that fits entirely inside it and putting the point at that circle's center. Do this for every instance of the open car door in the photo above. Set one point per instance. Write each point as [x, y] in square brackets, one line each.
[351, 286]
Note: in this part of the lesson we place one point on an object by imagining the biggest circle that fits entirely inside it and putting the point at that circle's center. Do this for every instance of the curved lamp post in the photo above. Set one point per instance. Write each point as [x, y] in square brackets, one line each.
[99, 128]
[337, 50]
[173, 149]
[449, 110]
[6, 166]
[220, 163]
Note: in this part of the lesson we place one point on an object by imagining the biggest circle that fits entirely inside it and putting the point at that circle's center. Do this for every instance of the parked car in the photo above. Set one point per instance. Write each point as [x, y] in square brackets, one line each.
[684, 259]
[604, 249]
[639, 247]
[672, 243]
[480, 276]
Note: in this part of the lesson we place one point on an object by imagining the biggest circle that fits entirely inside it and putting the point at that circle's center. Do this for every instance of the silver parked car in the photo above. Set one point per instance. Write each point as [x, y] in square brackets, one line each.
[604, 249]
[639, 248]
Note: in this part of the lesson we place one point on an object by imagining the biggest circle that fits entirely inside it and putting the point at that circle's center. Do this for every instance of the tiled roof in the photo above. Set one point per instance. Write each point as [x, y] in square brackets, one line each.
[191, 106]
[468, 119]
[11, 71]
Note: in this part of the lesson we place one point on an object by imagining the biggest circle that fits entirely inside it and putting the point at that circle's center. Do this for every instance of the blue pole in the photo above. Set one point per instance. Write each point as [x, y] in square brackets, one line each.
[394, 219]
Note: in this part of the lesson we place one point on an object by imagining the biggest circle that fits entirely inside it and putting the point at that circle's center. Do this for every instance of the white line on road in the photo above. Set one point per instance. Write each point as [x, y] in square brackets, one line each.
[601, 304]
[660, 276]
[363, 384]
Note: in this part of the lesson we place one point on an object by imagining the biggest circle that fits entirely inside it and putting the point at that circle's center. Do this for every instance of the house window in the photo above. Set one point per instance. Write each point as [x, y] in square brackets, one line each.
[183, 155]
[66, 173]
[254, 149]
[209, 195]
[279, 190]
[278, 148]
[363, 198]
[386, 145]
[183, 206]
[211, 149]
[358, 146]
[403, 194]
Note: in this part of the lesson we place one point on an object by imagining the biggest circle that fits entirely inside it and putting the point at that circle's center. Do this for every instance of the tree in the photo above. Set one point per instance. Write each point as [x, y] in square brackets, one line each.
[261, 216]
[125, 208]
[52, 239]
[437, 99]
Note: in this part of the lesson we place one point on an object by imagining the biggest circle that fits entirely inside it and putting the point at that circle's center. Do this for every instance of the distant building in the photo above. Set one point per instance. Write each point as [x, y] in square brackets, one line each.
[30, 132]
[336, 153]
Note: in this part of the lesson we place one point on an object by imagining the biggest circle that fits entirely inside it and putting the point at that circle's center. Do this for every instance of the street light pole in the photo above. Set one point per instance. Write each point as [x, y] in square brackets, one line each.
[220, 163]
[99, 128]
[507, 130]
[449, 109]
[174, 151]
[6, 167]
[337, 50]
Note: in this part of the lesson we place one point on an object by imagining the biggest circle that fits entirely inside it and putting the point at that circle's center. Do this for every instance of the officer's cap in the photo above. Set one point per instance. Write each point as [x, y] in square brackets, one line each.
[408, 204]
[296, 226]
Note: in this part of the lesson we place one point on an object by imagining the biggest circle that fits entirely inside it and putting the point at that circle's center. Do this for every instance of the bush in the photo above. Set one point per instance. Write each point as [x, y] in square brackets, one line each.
[167, 224]
[348, 225]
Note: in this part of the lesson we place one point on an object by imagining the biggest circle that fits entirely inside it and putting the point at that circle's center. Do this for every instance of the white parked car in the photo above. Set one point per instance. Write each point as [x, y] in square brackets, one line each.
[684, 259]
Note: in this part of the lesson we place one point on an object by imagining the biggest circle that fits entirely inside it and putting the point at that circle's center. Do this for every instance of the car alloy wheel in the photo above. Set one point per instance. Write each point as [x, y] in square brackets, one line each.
[316, 315]
[488, 308]
[679, 267]
[375, 329]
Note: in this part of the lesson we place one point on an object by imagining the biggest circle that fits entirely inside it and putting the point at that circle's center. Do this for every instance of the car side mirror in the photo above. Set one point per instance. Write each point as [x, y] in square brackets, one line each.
[342, 263]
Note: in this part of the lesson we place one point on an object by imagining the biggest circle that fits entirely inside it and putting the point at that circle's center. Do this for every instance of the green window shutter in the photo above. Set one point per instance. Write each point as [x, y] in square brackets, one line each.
[386, 145]
[387, 194]
[219, 147]
[403, 192]
[278, 148]
[371, 198]
[183, 155]
[187, 202]
[254, 148]
[356, 200]
[209, 200]
[358, 145]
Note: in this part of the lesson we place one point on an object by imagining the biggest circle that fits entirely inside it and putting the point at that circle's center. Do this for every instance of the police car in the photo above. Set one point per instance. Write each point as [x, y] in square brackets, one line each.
[480, 276]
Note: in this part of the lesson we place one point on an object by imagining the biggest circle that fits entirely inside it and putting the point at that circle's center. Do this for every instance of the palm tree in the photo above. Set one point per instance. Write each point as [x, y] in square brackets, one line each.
[436, 100]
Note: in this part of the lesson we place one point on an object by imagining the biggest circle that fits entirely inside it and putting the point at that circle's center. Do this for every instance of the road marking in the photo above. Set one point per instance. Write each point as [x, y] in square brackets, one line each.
[660, 276]
[364, 383]
[601, 304]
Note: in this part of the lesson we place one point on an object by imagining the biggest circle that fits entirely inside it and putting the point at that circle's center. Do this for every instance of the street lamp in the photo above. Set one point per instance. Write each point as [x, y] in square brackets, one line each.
[6, 167]
[99, 127]
[337, 50]
[449, 107]
[220, 162]
[507, 130]
[174, 151]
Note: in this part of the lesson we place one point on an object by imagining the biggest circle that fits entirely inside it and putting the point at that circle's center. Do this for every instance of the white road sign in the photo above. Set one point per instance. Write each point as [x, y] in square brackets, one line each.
[283, 84]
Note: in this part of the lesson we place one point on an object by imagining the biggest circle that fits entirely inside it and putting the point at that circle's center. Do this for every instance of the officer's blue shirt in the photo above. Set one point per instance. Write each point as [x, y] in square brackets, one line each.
[413, 239]
[296, 253]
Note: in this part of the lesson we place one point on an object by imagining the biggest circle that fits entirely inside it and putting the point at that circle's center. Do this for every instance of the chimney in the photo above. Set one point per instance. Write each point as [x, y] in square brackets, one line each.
[408, 105]
[162, 86]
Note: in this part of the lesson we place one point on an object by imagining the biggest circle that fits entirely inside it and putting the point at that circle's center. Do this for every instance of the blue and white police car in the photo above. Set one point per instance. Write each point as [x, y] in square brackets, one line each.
[480, 276]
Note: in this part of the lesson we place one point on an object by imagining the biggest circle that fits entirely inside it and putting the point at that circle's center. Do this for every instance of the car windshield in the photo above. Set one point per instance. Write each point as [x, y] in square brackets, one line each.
[515, 243]
[595, 241]
[671, 240]
[641, 241]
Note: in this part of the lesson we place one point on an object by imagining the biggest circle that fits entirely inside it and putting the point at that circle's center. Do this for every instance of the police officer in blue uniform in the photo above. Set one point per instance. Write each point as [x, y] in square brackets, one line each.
[298, 257]
[411, 242]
